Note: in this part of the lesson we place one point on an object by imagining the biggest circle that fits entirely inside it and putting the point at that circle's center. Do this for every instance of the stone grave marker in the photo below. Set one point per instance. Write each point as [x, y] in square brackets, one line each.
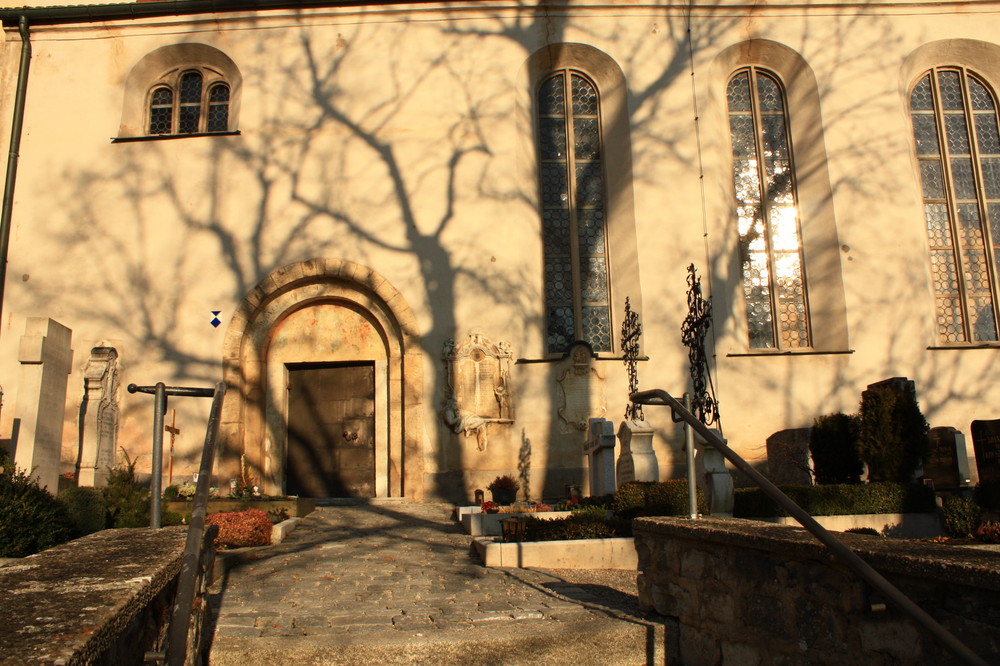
[947, 463]
[788, 458]
[46, 360]
[637, 460]
[986, 443]
[600, 449]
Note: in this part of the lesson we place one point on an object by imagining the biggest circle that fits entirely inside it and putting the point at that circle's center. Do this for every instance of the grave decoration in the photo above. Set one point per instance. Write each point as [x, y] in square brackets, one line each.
[637, 460]
[986, 443]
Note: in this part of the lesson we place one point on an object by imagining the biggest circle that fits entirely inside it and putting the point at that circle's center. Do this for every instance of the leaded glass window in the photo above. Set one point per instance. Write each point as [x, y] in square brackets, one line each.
[955, 132]
[571, 174]
[182, 106]
[770, 240]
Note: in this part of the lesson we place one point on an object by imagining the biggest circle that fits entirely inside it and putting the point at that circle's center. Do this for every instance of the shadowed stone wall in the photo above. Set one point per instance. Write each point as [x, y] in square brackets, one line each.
[744, 592]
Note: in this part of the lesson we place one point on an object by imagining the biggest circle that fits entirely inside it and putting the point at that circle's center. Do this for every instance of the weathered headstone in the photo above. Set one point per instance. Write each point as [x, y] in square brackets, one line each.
[46, 360]
[583, 396]
[713, 476]
[600, 449]
[99, 414]
[986, 443]
[947, 462]
[788, 460]
[637, 460]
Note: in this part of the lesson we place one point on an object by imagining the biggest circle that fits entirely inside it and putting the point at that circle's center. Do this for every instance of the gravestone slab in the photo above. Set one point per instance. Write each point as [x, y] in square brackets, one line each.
[986, 443]
[46, 360]
[713, 476]
[788, 459]
[637, 460]
[947, 462]
[600, 449]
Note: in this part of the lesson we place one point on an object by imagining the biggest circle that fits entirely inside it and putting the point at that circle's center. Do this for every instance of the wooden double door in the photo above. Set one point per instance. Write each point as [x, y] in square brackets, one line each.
[331, 430]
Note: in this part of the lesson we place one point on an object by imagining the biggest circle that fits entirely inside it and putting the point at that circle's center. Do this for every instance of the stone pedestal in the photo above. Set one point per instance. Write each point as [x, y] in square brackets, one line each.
[46, 360]
[713, 476]
[637, 461]
[600, 450]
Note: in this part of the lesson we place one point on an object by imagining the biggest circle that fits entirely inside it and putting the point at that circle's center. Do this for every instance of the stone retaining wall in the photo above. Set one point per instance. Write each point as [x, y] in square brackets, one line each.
[102, 599]
[744, 592]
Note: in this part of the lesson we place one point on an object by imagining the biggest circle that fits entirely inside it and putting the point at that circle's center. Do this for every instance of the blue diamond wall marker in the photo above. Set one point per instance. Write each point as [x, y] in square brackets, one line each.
[215, 320]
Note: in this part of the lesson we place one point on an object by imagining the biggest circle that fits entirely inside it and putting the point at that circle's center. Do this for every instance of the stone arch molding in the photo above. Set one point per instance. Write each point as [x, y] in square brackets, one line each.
[253, 419]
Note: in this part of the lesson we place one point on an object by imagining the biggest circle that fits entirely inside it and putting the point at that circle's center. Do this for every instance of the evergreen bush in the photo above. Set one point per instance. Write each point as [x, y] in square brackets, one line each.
[127, 500]
[961, 516]
[647, 498]
[833, 443]
[893, 434]
[582, 525]
[86, 509]
[838, 500]
[31, 519]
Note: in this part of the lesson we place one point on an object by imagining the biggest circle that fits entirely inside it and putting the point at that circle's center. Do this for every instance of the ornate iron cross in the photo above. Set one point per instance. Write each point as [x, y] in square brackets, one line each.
[693, 333]
[631, 330]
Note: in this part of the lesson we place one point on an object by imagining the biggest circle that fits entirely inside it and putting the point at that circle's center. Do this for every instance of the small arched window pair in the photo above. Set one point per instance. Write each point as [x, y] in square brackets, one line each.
[186, 105]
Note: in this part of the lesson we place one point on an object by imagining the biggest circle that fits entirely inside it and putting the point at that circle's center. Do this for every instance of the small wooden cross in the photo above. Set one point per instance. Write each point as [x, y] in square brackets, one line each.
[174, 431]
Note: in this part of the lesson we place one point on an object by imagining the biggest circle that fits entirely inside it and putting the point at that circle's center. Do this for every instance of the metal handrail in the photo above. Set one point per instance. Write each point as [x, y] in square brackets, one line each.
[846, 555]
[180, 615]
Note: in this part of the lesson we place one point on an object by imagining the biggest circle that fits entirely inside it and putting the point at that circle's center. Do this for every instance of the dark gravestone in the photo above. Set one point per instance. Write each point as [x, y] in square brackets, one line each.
[946, 461]
[788, 457]
[986, 442]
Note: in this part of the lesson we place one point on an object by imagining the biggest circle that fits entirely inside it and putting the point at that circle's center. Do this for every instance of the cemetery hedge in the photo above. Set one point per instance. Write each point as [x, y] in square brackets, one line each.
[31, 519]
[649, 498]
[838, 500]
[86, 508]
[833, 443]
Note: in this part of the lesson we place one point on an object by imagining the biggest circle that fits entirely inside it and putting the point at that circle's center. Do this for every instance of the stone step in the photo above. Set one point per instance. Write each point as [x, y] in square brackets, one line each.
[609, 641]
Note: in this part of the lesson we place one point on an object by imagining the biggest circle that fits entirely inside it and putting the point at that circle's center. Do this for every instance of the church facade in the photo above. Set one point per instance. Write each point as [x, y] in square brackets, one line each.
[404, 234]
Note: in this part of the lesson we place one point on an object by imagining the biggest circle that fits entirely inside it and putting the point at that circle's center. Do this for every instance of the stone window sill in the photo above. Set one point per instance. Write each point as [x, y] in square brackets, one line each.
[166, 137]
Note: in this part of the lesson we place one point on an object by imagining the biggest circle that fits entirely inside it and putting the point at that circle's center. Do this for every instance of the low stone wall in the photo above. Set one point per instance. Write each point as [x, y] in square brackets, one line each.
[102, 599]
[744, 592]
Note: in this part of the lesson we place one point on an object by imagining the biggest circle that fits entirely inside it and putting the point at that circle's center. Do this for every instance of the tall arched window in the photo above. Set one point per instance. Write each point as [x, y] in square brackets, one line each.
[185, 105]
[774, 286]
[571, 173]
[954, 117]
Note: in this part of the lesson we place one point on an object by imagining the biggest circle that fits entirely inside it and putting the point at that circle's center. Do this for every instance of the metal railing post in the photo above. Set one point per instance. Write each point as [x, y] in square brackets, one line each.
[692, 474]
[156, 483]
[845, 554]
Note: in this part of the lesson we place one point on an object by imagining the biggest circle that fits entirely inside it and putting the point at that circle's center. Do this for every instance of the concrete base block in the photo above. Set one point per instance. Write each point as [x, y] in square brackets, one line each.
[283, 529]
[616, 553]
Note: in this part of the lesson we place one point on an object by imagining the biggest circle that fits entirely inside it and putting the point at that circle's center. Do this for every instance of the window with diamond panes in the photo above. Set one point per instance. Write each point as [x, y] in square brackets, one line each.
[958, 150]
[187, 108]
[571, 172]
[770, 241]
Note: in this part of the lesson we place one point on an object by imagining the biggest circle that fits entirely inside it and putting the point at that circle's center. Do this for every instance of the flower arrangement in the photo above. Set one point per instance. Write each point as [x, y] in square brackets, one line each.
[241, 528]
[489, 507]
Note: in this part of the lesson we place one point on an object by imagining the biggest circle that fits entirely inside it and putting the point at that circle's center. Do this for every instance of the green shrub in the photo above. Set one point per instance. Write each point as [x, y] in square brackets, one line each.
[987, 495]
[961, 516]
[128, 502]
[168, 518]
[170, 492]
[578, 526]
[594, 510]
[31, 519]
[646, 498]
[893, 434]
[868, 531]
[833, 443]
[838, 500]
[86, 509]
[238, 529]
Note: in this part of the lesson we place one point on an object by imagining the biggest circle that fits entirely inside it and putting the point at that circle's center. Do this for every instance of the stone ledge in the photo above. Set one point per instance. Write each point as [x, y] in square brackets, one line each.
[614, 553]
[955, 564]
[72, 603]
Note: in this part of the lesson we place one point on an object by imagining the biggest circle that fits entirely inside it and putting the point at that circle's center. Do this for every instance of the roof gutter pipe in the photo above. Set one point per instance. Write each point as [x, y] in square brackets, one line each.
[12, 156]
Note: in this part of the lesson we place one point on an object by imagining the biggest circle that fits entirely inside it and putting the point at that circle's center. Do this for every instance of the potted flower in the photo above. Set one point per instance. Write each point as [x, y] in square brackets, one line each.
[504, 489]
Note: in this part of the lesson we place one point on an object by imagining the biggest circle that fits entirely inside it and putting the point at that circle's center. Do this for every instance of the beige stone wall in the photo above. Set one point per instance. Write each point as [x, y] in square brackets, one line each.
[399, 139]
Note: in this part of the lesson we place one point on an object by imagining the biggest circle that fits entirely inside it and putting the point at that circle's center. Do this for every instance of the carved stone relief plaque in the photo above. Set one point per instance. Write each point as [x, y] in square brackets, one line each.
[583, 391]
[478, 390]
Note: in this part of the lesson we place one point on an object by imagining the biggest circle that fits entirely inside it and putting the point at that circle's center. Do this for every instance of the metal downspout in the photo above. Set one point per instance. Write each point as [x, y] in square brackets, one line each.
[15, 145]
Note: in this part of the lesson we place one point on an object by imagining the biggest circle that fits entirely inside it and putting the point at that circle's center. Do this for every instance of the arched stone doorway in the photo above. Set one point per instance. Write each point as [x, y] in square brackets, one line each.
[327, 323]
